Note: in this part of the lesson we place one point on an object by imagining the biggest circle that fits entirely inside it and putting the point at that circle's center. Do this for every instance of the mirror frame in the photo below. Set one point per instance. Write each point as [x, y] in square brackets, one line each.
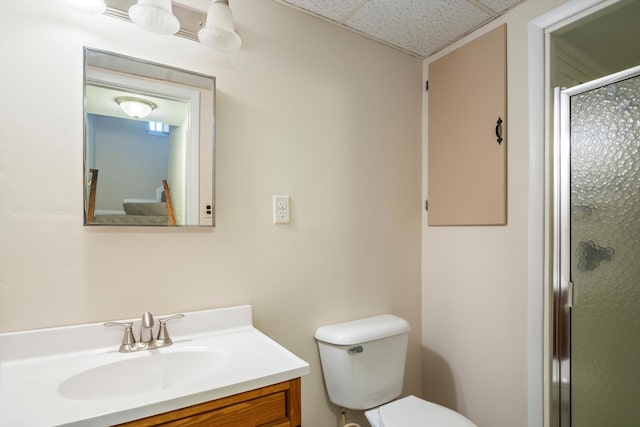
[190, 84]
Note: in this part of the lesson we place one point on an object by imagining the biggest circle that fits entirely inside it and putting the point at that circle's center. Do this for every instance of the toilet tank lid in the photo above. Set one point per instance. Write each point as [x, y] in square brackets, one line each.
[363, 330]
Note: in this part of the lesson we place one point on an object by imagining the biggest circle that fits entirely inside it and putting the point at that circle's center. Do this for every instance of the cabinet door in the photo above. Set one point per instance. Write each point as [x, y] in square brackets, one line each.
[268, 410]
[276, 405]
[467, 170]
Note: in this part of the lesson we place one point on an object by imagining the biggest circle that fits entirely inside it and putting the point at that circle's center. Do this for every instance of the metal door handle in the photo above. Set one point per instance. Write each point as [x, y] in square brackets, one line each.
[499, 130]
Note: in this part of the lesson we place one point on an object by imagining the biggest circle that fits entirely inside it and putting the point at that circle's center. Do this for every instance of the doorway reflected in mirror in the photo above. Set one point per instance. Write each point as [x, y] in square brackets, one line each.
[153, 167]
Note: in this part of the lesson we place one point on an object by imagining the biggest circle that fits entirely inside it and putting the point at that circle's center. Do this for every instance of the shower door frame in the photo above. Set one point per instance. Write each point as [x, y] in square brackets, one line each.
[564, 292]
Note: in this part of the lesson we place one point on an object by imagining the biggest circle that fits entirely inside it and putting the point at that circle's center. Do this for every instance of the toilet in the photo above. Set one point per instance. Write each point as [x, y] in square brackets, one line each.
[363, 365]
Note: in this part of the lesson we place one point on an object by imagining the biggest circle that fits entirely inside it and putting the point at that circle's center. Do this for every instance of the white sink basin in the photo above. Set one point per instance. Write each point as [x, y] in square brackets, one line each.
[147, 372]
[77, 376]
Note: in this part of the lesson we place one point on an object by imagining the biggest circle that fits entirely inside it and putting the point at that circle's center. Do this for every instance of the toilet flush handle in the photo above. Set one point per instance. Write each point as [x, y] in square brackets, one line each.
[355, 349]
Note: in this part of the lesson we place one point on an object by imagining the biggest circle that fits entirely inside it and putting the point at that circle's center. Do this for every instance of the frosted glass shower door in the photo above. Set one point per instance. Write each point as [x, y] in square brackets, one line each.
[603, 255]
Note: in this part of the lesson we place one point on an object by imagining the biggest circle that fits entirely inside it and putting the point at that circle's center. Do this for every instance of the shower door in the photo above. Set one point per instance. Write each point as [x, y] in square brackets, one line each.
[597, 286]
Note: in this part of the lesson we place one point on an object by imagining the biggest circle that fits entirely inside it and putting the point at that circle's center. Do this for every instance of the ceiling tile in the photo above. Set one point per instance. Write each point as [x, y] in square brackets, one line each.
[417, 26]
[332, 9]
[500, 5]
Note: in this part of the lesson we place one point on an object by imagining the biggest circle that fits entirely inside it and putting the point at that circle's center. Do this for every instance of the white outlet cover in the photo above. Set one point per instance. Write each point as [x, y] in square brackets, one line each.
[281, 209]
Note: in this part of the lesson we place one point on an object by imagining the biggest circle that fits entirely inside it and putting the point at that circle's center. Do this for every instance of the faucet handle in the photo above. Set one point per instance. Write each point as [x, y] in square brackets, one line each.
[128, 338]
[163, 334]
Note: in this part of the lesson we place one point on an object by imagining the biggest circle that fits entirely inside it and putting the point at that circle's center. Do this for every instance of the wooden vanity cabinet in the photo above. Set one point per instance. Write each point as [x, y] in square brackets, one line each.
[276, 405]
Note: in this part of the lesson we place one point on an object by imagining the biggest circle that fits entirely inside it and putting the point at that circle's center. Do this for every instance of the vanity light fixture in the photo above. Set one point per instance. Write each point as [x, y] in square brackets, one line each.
[165, 18]
[220, 33]
[135, 107]
[92, 7]
[155, 16]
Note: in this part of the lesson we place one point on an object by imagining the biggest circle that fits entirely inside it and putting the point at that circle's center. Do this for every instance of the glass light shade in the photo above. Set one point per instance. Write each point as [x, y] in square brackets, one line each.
[93, 7]
[220, 33]
[155, 16]
[135, 107]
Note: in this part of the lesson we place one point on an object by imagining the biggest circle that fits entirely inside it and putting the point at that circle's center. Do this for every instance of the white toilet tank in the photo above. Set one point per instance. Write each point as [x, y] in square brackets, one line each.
[363, 360]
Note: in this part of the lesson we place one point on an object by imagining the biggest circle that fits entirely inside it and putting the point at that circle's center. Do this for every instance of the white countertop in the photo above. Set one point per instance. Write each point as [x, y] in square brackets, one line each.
[33, 365]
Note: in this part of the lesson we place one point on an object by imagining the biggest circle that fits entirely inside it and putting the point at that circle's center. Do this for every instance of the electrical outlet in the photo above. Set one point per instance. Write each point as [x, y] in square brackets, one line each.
[281, 209]
[207, 211]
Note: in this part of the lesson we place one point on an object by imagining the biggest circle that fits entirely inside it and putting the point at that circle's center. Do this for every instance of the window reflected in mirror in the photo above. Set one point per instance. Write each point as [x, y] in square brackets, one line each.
[149, 148]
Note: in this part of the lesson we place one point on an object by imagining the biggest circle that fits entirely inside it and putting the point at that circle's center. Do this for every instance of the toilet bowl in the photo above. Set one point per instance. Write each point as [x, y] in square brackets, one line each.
[411, 411]
[363, 367]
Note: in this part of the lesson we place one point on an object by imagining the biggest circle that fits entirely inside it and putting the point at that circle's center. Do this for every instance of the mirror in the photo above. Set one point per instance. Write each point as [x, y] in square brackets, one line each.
[152, 165]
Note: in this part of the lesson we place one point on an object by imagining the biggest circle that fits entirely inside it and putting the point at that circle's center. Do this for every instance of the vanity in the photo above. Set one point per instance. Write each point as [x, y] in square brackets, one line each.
[219, 369]
[277, 405]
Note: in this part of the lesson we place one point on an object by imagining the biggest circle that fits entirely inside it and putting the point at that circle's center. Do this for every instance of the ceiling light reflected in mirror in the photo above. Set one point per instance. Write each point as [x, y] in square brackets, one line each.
[136, 108]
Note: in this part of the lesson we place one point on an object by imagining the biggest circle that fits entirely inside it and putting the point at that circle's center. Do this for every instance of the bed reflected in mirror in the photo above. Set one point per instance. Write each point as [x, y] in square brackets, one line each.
[149, 148]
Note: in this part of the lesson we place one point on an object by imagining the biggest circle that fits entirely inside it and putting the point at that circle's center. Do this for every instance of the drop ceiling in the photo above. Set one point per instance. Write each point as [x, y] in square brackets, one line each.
[417, 27]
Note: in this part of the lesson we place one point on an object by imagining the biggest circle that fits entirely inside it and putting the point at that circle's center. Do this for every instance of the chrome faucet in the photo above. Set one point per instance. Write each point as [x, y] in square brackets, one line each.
[146, 342]
[146, 328]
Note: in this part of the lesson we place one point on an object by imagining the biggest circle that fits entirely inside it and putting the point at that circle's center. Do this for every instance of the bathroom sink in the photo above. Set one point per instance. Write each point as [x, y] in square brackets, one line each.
[79, 377]
[145, 373]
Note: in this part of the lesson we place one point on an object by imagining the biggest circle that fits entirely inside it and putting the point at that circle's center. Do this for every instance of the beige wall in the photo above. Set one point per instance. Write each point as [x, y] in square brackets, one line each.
[474, 293]
[304, 109]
